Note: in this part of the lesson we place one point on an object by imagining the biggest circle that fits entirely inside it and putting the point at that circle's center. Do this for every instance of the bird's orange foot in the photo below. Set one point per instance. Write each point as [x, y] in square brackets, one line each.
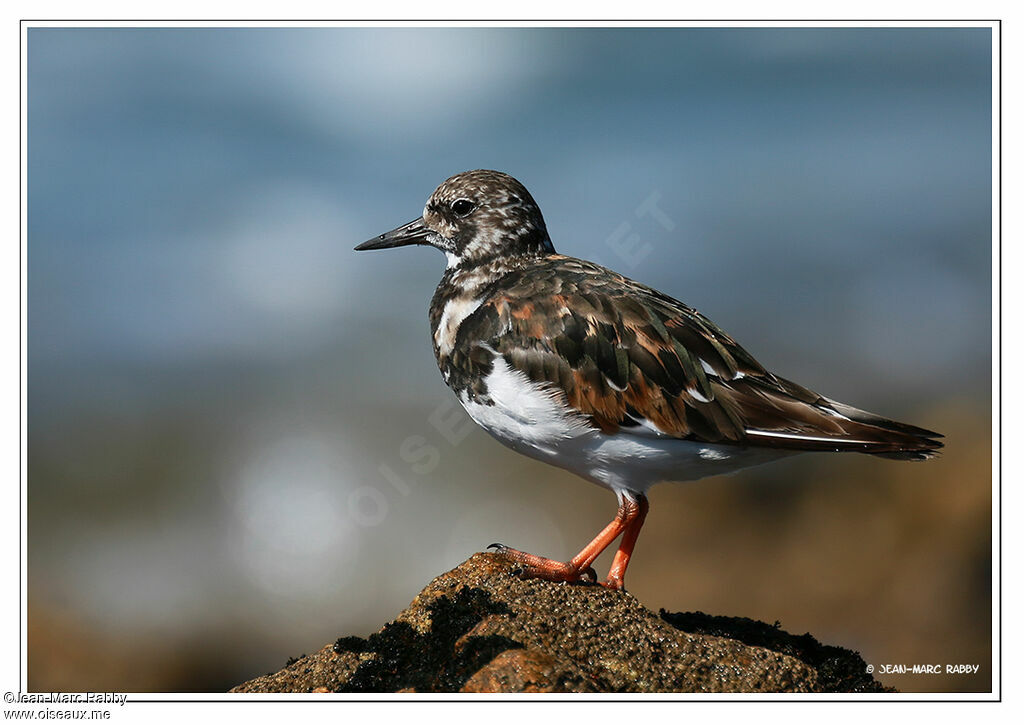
[530, 566]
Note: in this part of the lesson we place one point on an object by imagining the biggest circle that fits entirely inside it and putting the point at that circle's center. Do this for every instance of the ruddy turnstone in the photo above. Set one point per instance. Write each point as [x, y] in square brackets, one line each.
[578, 366]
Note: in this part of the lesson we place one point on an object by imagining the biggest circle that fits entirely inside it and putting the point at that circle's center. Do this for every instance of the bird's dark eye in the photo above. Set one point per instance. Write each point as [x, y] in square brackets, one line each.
[462, 207]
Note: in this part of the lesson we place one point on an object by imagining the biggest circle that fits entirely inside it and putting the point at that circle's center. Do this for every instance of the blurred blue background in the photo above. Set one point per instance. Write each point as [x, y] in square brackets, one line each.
[220, 389]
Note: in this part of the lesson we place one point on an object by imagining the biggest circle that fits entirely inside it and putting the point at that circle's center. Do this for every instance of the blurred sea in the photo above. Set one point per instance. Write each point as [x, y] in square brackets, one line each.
[225, 400]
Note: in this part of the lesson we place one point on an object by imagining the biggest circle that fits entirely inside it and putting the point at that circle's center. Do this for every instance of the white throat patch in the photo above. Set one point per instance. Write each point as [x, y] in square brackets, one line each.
[455, 311]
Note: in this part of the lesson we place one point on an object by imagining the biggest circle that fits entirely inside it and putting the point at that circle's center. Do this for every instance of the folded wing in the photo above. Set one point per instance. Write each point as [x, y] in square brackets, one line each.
[627, 356]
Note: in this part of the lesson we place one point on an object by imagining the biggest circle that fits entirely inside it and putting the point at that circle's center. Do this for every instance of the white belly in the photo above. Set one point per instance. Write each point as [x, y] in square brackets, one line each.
[533, 421]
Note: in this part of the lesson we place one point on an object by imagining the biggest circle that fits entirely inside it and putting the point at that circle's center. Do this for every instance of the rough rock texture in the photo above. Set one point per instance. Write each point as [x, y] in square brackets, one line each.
[479, 628]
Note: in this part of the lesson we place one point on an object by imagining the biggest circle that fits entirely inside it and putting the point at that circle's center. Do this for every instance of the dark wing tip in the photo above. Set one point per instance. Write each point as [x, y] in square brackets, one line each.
[932, 450]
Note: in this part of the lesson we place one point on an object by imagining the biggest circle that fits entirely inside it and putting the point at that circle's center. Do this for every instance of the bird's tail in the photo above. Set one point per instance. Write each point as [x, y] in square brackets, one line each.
[901, 441]
[787, 415]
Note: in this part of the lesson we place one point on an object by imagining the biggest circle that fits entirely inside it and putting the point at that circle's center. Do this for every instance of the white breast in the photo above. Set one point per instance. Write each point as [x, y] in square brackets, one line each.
[534, 420]
[525, 414]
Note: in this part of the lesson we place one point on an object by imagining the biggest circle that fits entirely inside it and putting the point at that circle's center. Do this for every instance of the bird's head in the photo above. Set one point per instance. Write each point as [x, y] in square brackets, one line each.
[474, 216]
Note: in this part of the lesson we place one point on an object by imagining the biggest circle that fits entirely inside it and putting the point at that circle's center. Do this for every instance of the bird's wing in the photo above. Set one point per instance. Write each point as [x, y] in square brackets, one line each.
[627, 356]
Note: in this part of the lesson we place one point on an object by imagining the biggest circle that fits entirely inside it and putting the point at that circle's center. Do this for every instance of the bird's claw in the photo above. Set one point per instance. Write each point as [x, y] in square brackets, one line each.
[528, 566]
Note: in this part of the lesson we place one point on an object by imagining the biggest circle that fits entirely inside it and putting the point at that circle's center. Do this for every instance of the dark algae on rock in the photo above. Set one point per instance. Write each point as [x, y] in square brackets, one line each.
[479, 628]
[839, 669]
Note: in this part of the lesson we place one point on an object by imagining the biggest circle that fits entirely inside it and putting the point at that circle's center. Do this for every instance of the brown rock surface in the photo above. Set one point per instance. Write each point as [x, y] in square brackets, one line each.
[479, 628]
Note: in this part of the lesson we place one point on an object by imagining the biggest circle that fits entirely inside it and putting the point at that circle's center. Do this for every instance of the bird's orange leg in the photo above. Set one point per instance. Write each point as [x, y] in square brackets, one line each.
[617, 573]
[629, 518]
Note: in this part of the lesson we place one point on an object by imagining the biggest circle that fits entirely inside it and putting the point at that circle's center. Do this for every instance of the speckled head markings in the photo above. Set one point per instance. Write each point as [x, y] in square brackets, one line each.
[575, 365]
[482, 215]
[473, 217]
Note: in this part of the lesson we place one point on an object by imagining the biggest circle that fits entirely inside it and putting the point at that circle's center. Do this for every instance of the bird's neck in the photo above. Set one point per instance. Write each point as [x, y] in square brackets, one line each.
[462, 290]
[473, 277]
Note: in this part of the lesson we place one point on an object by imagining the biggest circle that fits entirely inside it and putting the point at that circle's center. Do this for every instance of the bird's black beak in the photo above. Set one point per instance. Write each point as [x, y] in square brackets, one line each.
[415, 232]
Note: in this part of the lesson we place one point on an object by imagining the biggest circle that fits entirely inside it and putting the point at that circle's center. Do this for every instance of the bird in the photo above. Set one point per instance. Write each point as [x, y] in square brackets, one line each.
[575, 365]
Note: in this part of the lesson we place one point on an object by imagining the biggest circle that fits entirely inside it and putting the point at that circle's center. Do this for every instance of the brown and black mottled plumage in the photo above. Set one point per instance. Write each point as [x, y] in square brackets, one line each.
[621, 353]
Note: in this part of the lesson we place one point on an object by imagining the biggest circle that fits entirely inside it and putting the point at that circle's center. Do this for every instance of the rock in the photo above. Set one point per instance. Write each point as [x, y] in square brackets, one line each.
[479, 628]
